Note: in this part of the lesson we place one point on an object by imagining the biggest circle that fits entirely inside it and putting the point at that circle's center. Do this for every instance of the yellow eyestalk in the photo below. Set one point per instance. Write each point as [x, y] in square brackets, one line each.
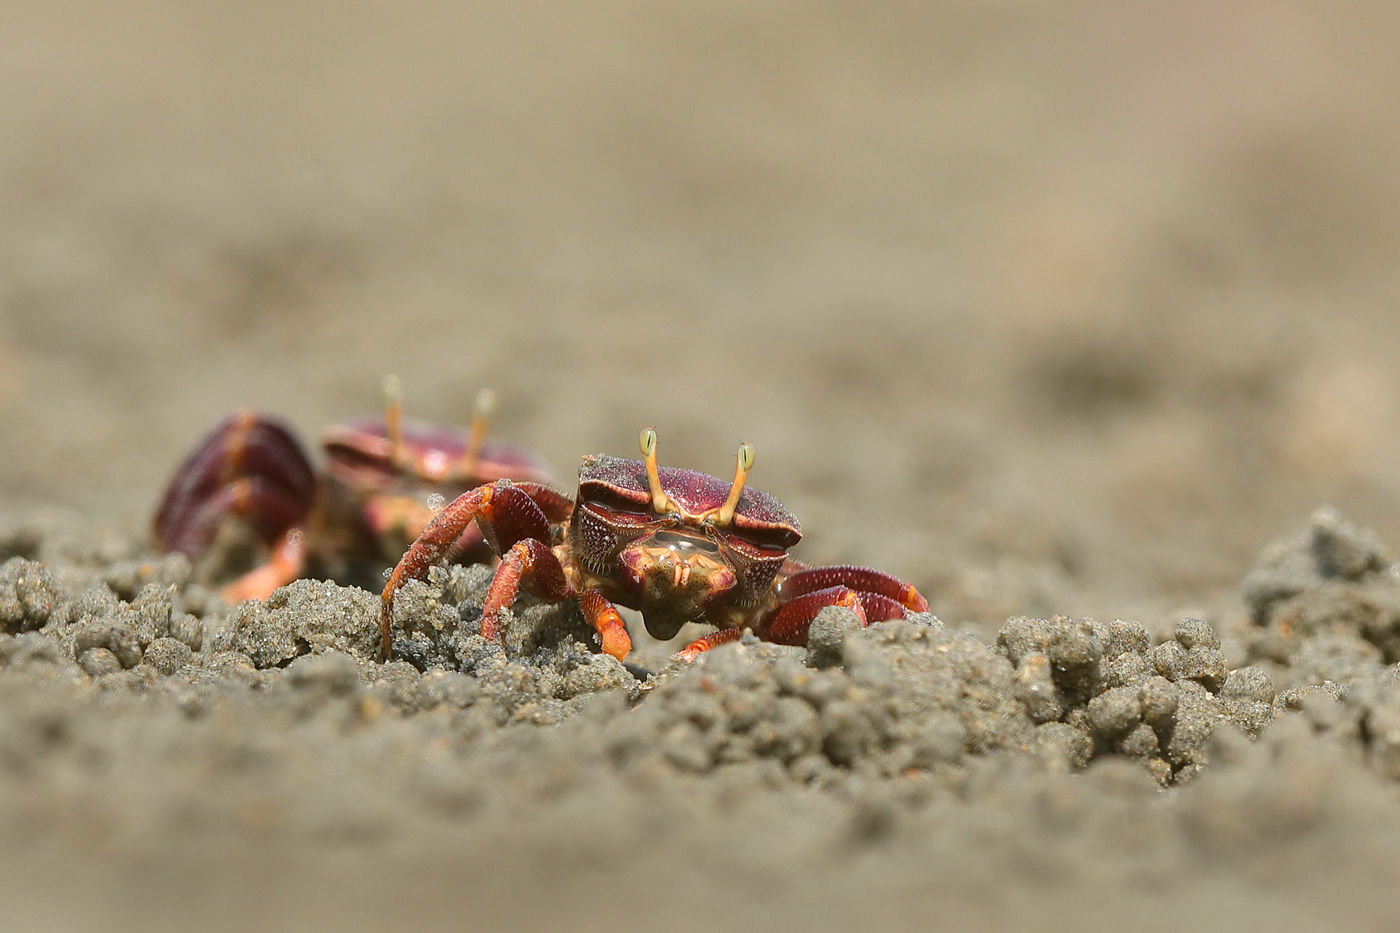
[660, 502]
[482, 409]
[393, 421]
[741, 475]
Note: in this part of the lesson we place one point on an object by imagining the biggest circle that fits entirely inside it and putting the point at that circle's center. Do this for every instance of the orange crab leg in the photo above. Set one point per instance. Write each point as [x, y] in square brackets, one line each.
[700, 645]
[607, 622]
[285, 565]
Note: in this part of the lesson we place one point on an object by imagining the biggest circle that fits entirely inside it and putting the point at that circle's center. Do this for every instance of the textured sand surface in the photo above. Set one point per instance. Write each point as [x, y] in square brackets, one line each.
[164, 753]
[1061, 311]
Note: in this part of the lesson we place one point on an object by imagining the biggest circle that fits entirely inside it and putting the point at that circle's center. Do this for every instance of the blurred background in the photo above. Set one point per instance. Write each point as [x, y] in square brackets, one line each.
[1044, 306]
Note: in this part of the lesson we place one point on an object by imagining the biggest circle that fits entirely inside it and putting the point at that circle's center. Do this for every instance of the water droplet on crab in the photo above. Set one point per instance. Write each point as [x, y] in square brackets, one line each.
[436, 501]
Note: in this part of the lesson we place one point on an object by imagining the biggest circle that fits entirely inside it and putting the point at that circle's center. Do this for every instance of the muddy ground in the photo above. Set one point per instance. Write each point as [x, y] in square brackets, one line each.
[1080, 316]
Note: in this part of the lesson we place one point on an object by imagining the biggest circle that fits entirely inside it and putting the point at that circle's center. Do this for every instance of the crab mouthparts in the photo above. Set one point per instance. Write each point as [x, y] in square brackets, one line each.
[678, 571]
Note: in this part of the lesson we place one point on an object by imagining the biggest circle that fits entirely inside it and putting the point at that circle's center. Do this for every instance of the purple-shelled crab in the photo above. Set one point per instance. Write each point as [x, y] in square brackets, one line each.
[675, 544]
[382, 482]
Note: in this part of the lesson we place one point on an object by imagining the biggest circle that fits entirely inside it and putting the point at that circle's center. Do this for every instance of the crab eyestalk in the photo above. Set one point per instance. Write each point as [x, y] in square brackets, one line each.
[660, 502]
[393, 421]
[482, 409]
[741, 474]
[235, 444]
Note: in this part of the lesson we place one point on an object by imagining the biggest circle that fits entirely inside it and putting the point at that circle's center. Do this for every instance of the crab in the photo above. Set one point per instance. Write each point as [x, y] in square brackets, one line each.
[674, 544]
[378, 491]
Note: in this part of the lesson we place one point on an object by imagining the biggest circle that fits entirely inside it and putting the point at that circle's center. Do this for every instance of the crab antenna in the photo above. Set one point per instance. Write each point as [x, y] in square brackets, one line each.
[660, 502]
[741, 473]
[393, 421]
[482, 409]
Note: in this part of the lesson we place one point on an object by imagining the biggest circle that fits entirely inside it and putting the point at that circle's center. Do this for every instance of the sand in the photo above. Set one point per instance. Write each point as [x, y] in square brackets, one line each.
[1079, 316]
[166, 755]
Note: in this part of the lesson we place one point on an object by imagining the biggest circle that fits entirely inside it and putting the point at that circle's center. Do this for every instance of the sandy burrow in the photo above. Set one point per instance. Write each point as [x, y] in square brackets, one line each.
[166, 758]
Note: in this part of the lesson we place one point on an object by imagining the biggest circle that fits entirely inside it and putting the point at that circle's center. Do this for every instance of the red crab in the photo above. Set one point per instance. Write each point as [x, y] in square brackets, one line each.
[675, 544]
[356, 517]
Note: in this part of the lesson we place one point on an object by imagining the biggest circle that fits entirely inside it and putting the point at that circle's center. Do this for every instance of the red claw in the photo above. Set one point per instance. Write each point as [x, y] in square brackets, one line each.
[248, 465]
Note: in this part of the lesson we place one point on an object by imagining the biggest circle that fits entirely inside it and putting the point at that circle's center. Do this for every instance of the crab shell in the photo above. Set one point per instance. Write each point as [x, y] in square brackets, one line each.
[360, 455]
[680, 565]
[375, 505]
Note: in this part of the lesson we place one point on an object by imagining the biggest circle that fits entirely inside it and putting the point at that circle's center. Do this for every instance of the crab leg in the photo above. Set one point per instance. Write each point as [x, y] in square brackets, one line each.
[506, 516]
[554, 504]
[470, 547]
[863, 580]
[605, 620]
[284, 566]
[530, 559]
[789, 624]
[879, 608]
[700, 645]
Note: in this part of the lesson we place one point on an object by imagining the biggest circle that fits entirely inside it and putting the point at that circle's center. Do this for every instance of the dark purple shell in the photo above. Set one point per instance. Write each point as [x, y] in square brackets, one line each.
[364, 445]
[695, 492]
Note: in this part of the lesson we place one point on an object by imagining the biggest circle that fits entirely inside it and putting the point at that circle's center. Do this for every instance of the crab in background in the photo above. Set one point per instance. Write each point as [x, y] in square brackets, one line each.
[378, 492]
[677, 545]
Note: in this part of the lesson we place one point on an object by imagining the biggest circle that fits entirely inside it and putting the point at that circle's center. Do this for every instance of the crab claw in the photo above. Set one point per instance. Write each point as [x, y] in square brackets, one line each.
[249, 465]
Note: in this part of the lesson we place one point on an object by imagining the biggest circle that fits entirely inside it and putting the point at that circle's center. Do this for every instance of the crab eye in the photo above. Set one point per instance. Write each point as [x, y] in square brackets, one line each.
[610, 506]
[772, 539]
[614, 501]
